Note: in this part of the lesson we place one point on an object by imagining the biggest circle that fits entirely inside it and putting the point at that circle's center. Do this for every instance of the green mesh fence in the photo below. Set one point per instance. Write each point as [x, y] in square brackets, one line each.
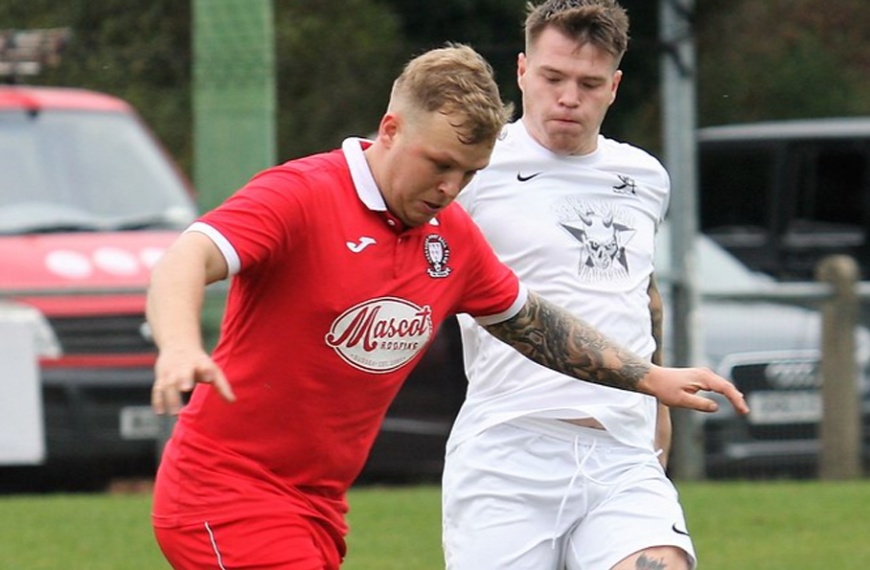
[234, 94]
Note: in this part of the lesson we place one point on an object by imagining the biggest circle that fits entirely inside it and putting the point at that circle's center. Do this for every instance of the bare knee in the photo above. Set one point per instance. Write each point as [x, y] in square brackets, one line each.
[655, 558]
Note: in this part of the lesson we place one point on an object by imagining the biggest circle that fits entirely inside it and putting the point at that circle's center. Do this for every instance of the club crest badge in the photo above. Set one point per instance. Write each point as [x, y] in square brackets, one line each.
[437, 254]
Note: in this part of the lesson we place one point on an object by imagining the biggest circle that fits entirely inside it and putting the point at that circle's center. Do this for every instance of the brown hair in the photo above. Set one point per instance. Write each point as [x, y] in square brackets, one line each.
[603, 23]
[456, 81]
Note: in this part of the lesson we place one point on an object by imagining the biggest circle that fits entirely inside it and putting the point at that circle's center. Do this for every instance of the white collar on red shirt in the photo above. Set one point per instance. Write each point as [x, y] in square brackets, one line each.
[366, 188]
[361, 174]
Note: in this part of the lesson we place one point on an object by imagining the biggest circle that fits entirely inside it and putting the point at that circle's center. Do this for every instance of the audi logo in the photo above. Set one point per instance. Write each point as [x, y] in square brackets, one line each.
[793, 374]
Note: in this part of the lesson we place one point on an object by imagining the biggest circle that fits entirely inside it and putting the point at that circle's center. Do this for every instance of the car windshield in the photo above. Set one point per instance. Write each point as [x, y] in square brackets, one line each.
[65, 170]
[718, 270]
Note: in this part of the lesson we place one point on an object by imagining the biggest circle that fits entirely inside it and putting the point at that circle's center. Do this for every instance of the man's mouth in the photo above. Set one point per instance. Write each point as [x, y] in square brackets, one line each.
[565, 121]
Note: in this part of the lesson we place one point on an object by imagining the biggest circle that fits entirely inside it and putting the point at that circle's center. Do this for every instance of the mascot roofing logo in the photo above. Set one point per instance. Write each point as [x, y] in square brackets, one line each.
[381, 335]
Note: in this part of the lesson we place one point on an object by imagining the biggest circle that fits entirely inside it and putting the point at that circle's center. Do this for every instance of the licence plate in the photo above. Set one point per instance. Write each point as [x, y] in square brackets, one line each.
[139, 422]
[772, 407]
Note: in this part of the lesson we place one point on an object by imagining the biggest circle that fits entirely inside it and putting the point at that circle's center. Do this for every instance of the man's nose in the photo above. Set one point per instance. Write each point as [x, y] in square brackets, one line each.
[451, 185]
[569, 96]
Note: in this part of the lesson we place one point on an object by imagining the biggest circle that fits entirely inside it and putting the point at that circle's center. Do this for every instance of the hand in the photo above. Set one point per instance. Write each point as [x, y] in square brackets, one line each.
[678, 388]
[178, 371]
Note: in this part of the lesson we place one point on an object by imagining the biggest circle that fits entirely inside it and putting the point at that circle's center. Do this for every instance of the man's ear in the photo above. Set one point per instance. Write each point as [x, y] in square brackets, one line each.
[617, 78]
[521, 69]
[389, 128]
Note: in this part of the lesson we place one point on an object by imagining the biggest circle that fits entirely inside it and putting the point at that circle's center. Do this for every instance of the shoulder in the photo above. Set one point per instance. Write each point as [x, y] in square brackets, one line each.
[509, 156]
[630, 159]
[510, 142]
[454, 219]
[312, 172]
[622, 151]
[455, 223]
[312, 166]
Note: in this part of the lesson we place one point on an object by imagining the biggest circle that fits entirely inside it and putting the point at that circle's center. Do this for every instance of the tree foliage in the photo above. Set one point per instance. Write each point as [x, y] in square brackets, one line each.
[336, 59]
[493, 27]
[336, 62]
[782, 59]
[139, 52]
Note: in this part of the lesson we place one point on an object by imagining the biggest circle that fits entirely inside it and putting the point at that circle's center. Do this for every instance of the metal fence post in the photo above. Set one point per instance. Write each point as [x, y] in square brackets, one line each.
[840, 432]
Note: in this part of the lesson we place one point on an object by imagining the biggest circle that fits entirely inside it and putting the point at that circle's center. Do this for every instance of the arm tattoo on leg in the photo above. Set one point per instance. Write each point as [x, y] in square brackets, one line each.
[553, 337]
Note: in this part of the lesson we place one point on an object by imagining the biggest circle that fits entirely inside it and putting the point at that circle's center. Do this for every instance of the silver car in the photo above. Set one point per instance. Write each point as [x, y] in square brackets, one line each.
[771, 352]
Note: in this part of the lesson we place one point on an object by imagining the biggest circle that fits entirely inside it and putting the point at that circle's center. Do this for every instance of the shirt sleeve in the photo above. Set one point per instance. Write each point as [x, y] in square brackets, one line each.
[258, 221]
[493, 292]
[225, 247]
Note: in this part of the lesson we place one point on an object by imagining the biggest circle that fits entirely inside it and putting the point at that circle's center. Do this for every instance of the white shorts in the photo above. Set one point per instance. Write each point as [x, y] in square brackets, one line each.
[548, 495]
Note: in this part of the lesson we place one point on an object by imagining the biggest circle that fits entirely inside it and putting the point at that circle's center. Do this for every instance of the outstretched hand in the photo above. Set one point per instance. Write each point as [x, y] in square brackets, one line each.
[679, 387]
[179, 371]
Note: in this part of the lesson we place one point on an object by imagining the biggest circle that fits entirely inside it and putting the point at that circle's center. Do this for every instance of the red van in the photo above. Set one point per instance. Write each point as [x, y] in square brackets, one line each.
[89, 201]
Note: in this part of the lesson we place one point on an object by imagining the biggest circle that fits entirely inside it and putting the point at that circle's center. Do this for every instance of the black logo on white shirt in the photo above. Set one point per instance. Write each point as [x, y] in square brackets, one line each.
[522, 178]
[626, 185]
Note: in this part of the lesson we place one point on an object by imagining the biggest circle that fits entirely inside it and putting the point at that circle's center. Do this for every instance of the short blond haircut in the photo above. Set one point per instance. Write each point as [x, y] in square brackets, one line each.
[602, 23]
[458, 82]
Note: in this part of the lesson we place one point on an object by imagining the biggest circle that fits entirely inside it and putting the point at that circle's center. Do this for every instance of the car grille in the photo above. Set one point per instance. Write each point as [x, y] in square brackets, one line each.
[82, 408]
[118, 334]
[778, 378]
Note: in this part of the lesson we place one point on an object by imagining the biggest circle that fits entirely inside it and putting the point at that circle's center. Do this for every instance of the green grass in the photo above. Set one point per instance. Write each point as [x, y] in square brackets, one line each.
[742, 525]
[779, 526]
[93, 532]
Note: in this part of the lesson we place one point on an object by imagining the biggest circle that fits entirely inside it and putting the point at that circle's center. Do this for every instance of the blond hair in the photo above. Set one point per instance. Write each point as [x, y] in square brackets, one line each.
[456, 81]
[602, 23]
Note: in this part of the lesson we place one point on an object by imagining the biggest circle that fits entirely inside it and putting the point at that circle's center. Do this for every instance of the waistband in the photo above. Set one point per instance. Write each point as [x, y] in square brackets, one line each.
[567, 431]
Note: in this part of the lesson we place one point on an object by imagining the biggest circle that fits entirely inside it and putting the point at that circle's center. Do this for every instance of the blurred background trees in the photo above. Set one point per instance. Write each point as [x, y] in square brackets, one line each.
[769, 59]
[782, 59]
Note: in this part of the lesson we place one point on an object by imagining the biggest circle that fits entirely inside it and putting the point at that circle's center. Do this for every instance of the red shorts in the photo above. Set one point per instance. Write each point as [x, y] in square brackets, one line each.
[215, 510]
[272, 542]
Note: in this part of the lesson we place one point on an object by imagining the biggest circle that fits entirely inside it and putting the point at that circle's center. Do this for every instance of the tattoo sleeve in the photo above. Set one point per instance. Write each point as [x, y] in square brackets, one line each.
[553, 337]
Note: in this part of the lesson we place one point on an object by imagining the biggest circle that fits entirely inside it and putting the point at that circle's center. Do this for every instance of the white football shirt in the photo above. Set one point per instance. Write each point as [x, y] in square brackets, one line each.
[580, 231]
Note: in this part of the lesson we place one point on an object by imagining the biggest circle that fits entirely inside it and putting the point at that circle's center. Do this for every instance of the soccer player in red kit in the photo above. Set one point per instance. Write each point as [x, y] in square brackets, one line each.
[343, 265]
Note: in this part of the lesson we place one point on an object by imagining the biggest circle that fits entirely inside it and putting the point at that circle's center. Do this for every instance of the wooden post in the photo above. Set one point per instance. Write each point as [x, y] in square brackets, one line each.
[679, 118]
[840, 430]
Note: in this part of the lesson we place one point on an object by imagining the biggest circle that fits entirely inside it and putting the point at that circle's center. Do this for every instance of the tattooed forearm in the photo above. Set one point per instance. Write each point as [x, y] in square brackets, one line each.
[553, 337]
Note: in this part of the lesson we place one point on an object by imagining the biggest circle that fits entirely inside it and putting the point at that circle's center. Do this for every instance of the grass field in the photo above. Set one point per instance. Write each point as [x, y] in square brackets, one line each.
[745, 525]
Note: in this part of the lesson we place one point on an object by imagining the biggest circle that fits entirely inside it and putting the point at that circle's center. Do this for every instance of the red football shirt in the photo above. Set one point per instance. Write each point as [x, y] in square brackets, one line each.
[332, 304]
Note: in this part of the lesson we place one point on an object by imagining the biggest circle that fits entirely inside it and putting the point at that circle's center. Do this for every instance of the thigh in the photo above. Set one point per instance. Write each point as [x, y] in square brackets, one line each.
[502, 493]
[641, 516]
[656, 557]
[251, 543]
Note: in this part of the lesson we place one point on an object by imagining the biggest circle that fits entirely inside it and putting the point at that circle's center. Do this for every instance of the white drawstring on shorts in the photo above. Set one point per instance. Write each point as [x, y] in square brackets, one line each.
[580, 462]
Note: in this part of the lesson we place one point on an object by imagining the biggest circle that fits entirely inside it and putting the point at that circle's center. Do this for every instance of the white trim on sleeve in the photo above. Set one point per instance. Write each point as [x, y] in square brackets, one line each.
[234, 264]
[522, 297]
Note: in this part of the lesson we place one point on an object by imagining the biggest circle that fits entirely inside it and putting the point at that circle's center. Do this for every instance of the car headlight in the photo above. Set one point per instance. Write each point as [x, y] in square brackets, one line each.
[45, 341]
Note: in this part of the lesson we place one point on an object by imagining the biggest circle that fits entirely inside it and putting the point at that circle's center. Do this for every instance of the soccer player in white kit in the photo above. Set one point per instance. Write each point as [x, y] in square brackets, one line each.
[542, 472]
